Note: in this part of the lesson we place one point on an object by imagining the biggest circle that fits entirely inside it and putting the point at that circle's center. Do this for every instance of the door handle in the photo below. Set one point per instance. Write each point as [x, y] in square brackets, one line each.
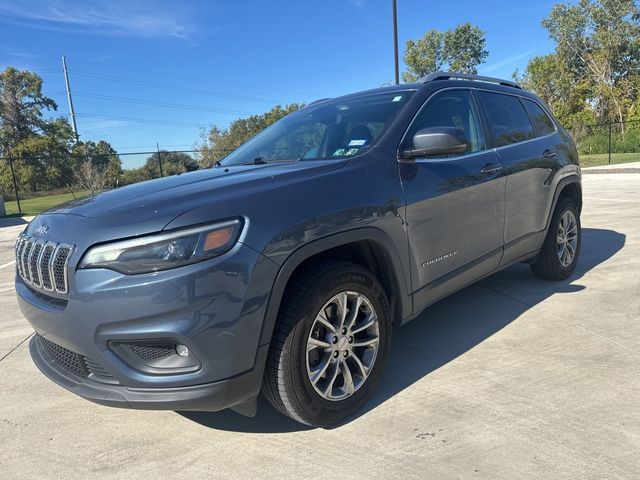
[550, 154]
[491, 168]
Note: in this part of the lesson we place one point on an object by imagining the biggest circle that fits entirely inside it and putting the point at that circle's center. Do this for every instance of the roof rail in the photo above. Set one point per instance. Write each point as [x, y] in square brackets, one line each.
[465, 76]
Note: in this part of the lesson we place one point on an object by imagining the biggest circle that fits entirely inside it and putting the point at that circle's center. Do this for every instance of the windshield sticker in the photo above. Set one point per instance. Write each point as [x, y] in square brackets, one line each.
[338, 152]
[357, 143]
[351, 151]
[398, 98]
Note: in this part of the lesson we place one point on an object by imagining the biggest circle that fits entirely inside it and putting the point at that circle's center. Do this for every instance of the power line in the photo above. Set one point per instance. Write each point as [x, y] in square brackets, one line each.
[142, 101]
[175, 88]
[141, 120]
[228, 84]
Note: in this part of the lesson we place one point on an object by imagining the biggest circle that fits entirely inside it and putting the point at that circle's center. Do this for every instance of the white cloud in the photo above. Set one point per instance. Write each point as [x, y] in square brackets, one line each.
[134, 18]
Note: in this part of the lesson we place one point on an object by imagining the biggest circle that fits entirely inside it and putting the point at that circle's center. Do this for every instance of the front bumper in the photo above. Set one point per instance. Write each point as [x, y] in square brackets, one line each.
[207, 397]
[216, 308]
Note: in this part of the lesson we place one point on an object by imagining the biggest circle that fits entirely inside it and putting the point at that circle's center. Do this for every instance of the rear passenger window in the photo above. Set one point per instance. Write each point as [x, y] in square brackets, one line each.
[508, 120]
[541, 121]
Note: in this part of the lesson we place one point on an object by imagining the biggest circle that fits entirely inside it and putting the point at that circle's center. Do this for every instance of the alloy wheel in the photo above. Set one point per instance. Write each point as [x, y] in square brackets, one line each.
[342, 345]
[567, 238]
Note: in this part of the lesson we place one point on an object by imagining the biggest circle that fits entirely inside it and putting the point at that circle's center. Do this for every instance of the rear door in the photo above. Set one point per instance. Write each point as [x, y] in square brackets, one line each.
[455, 204]
[526, 144]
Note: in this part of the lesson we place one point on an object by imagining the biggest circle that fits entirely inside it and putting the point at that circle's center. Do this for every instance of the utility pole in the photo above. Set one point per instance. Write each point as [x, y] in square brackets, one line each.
[395, 42]
[159, 159]
[73, 113]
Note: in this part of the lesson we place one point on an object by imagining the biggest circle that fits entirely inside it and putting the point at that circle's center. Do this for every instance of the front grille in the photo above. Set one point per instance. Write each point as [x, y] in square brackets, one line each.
[70, 361]
[73, 362]
[43, 264]
[149, 353]
[97, 370]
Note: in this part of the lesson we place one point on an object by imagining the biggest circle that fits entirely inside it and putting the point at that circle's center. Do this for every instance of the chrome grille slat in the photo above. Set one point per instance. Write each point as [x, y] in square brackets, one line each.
[34, 256]
[43, 265]
[25, 260]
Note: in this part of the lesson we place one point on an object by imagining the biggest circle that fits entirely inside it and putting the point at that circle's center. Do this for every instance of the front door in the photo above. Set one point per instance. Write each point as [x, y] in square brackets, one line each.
[455, 204]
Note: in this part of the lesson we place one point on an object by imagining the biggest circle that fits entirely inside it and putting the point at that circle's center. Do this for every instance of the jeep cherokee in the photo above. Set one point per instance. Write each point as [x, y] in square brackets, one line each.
[283, 268]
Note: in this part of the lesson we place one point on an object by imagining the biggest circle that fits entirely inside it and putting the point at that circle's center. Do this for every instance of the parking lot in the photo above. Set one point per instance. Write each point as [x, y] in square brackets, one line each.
[510, 378]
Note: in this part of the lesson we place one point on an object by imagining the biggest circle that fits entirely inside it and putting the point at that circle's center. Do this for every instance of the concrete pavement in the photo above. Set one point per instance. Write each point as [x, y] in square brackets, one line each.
[512, 378]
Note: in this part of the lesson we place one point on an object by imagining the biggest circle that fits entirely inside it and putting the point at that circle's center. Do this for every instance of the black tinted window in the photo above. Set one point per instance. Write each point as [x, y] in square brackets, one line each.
[542, 122]
[451, 108]
[508, 120]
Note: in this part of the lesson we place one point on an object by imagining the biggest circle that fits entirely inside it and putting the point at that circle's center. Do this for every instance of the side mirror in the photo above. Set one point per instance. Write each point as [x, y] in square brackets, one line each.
[433, 141]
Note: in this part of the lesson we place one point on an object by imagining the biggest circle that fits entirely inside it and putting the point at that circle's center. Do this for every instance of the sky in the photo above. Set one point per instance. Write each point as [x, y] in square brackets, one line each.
[147, 72]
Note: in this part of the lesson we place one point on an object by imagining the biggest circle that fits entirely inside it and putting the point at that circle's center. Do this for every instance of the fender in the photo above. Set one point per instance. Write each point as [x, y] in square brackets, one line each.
[569, 179]
[404, 308]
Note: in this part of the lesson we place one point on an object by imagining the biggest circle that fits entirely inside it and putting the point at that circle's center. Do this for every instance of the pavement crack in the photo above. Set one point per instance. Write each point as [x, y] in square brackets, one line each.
[510, 297]
[14, 348]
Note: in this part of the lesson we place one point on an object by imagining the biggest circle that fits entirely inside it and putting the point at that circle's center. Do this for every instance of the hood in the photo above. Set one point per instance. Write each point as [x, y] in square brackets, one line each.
[150, 206]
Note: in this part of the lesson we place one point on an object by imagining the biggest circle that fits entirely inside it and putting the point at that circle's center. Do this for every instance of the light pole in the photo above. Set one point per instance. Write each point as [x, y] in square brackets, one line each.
[395, 42]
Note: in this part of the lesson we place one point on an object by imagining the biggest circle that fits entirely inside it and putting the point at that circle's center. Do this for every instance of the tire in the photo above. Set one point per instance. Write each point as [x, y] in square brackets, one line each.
[291, 366]
[549, 264]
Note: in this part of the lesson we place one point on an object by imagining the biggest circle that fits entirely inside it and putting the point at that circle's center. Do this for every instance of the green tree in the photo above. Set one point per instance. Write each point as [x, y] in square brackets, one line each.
[102, 156]
[548, 76]
[597, 55]
[21, 107]
[459, 50]
[41, 162]
[220, 142]
[172, 164]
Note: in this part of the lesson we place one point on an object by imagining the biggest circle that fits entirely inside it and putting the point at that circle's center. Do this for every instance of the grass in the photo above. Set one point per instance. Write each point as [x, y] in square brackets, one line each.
[598, 159]
[33, 206]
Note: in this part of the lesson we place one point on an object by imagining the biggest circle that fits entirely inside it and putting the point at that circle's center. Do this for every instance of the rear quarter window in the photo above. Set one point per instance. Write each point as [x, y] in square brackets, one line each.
[541, 121]
[508, 120]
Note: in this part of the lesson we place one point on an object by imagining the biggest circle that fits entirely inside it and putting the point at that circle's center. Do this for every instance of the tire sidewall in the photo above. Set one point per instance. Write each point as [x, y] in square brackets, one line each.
[320, 410]
[566, 205]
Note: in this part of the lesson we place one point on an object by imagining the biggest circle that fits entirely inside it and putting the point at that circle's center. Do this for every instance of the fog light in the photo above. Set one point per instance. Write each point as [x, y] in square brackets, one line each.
[182, 350]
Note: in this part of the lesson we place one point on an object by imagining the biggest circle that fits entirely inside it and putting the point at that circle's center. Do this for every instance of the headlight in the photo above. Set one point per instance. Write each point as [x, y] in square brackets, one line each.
[165, 250]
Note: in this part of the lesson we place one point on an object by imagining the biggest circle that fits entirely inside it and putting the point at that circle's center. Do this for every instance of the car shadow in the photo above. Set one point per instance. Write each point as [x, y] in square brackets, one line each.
[12, 221]
[443, 332]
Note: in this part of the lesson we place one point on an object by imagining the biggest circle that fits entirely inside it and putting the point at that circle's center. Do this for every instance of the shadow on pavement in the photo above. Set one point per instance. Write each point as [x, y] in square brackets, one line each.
[12, 221]
[443, 332]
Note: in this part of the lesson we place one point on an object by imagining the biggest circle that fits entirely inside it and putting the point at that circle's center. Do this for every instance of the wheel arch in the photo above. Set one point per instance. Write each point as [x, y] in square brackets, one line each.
[368, 247]
[569, 186]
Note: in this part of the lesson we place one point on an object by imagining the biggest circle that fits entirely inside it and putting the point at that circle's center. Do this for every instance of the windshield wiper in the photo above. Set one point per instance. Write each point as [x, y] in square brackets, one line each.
[262, 161]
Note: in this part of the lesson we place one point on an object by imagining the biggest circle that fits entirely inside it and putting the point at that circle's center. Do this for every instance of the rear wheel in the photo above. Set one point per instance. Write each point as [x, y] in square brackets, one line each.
[330, 344]
[559, 255]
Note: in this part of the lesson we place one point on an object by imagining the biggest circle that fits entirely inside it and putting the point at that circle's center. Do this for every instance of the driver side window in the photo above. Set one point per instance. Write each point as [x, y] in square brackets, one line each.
[453, 109]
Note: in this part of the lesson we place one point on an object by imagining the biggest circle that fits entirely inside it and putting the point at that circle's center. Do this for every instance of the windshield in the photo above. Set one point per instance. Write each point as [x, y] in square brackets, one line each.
[330, 129]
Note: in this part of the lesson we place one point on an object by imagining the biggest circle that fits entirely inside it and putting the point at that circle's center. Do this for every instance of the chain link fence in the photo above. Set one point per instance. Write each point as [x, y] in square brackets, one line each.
[606, 143]
[31, 184]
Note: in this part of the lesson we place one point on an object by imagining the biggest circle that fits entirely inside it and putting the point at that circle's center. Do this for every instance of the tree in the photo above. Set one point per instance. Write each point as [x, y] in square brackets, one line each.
[21, 106]
[597, 55]
[90, 177]
[101, 155]
[220, 142]
[551, 80]
[41, 162]
[459, 50]
[38, 146]
[172, 164]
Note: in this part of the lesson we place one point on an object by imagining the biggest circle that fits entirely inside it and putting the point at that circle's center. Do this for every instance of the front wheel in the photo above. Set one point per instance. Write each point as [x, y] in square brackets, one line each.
[559, 255]
[330, 344]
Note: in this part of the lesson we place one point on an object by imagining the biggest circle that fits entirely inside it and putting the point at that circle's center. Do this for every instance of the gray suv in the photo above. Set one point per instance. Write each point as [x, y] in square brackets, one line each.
[283, 268]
